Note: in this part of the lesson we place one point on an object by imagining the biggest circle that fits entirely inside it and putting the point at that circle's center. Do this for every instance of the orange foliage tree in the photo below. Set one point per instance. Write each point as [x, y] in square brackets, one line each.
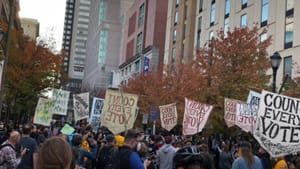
[31, 69]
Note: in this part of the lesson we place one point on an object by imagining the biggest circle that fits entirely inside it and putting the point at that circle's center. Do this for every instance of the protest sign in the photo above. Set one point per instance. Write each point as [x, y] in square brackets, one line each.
[230, 111]
[195, 116]
[154, 112]
[119, 110]
[96, 113]
[253, 98]
[67, 129]
[145, 118]
[246, 115]
[278, 124]
[60, 100]
[168, 116]
[43, 112]
[81, 106]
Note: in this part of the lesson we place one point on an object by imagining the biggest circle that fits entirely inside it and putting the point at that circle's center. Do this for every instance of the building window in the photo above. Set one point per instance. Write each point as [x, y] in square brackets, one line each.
[264, 12]
[139, 43]
[173, 56]
[287, 67]
[211, 35]
[177, 3]
[176, 18]
[289, 31]
[227, 8]
[212, 13]
[102, 47]
[102, 11]
[289, 5]
[263, 37]
[244, 20]
[137, 66]
[199, 32]
[244, 3]
[199, 23]
[141, 15]
[174, 36]
[200, 6]
[226, 26]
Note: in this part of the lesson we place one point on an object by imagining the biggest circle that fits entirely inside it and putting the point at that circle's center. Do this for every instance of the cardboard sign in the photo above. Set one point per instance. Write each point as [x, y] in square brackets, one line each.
[43, 112]
[168, 116]
[81, 106]
[253, 98]
[230, 111]
[118, 112]
[96, 111]
[246, 115]
[60, 100]
[278, 124]
[195, 116]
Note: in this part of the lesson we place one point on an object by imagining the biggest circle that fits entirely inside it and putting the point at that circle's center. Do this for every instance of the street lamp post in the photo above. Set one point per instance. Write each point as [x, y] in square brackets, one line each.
[275, 62]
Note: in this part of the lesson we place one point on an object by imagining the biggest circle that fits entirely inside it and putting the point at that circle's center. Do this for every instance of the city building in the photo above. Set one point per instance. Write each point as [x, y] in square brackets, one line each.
[103, 44]
[74, 41]
[5, 8]
[279, 17]
[143, 38]
[30, 27]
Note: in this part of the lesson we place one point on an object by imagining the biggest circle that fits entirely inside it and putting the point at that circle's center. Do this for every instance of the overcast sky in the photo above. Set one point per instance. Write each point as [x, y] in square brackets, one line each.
[49, 13]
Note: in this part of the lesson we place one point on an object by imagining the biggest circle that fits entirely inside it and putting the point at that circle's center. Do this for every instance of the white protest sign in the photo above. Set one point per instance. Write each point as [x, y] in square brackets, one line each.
[43, 112]
[246, 115]
[119, 110]
[230, 111]
[81, 106]
[60, 100]
[278, 124]
[96, 113]
[253, 98]
[195, 116]
[168, 116]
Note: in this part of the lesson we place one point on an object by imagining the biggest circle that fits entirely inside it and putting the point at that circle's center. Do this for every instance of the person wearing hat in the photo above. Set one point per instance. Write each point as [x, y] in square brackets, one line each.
[105, 154]
[247, 159]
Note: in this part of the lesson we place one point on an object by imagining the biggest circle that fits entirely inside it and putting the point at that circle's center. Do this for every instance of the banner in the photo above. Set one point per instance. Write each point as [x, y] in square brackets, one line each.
[253, 98]
[43, 115]
[168, 116]
[246, 115]
[60, 100]
[154, 112]
[230, 111]
[119, 110]
[96, 113]
[81, 106]
[278, 124]
[195, 116]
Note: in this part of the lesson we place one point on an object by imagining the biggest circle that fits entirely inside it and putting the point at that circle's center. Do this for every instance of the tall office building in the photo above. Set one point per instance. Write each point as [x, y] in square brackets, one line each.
[103, 43]
[279, 17]
[74, 41]
[31, 27]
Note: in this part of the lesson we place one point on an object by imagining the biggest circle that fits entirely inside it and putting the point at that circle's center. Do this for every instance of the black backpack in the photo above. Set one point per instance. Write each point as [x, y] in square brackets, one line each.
[105, 157]
[121, 158]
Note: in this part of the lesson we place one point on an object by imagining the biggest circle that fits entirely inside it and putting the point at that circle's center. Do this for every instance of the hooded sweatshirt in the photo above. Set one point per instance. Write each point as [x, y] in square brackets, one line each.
[165, 156]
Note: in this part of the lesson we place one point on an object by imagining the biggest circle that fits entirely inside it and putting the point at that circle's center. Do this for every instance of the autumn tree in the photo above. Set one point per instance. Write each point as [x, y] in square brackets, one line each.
[31, 69]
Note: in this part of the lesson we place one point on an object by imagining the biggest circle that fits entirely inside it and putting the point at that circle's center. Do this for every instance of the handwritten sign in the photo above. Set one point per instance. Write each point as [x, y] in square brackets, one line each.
[81, 106]
[253, 98]
[195, 116]
[60, 100]
[118, 112]
[43, 112]
[246, 116]
[168, 116]
[278, 124]
[95, 118]
[230, 111]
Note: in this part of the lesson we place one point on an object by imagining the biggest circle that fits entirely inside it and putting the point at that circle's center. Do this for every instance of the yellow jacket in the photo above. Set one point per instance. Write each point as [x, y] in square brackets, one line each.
[281, 164]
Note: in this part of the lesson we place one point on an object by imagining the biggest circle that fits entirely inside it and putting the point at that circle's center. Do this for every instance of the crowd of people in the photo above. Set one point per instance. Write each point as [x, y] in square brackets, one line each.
[35, 147]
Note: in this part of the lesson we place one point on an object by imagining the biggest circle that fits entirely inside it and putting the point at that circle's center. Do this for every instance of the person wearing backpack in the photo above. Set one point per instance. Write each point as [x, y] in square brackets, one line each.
[8, 157]
[127, 157]
[105, 154]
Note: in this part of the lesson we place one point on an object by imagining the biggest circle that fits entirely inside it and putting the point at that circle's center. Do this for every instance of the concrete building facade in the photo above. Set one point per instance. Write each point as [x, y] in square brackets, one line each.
[31, 27]
[143, 38]
[279, 17]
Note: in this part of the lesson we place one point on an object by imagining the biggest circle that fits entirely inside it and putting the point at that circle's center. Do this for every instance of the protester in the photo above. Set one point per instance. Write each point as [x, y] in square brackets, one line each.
[281, 163]
[127, 157]
[247, 159]
[8, 157]
[29, 160]
[225, 157]
[106, 153]
[166, 154]
[55, 153]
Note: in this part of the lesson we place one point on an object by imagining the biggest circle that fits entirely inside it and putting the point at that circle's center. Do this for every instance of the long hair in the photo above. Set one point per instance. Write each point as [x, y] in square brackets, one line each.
[246, 153]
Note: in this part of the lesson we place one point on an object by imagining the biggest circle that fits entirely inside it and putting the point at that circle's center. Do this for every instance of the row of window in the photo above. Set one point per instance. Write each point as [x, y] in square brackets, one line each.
[128, 70]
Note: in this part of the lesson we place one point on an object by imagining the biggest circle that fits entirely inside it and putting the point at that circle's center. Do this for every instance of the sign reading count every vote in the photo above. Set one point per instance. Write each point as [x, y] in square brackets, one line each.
[278, 124]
